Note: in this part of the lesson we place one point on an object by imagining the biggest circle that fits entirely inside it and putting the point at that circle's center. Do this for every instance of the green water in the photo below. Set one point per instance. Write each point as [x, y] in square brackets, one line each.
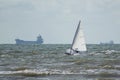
[48, 62]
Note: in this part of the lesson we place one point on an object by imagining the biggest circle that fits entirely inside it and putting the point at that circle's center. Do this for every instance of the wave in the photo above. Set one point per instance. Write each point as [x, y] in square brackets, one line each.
[46, 72]
[106, 52]
[34, 72]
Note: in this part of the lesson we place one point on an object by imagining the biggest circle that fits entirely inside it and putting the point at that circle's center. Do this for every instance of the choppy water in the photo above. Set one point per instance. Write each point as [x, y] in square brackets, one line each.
[48, 62]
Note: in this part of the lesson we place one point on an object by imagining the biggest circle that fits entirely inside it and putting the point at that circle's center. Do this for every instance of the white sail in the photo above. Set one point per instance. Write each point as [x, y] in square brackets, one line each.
[79, 41]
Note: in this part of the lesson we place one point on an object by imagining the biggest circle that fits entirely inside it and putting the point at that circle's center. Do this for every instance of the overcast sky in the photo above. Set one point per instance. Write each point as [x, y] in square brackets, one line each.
[56, 20]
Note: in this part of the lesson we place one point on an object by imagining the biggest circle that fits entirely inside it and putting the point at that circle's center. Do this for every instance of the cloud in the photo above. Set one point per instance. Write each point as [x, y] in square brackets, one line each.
[15, 5]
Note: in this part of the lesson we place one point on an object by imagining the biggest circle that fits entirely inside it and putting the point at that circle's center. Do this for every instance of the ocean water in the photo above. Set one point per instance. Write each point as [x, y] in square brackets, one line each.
[48, 62]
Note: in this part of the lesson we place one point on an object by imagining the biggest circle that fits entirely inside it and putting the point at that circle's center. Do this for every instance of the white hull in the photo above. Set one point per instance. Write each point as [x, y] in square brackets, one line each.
[73, 52]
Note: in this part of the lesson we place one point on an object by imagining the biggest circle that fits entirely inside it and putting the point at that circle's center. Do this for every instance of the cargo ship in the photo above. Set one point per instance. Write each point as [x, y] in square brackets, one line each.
[107, 43]
[38, 41]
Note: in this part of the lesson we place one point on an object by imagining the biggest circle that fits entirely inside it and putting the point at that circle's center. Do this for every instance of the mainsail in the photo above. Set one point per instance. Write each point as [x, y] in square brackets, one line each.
[79, 41]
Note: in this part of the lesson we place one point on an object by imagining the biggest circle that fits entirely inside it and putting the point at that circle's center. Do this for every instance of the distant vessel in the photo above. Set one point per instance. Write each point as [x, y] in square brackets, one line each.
[107, 43]
[38, 41]
[78, 44]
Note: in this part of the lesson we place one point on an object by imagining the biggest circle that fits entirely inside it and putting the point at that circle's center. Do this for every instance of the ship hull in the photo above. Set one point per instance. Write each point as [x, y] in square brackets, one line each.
[27, 42]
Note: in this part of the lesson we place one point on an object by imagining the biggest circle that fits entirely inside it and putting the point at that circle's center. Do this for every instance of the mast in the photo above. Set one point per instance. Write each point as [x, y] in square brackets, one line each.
[78, 27]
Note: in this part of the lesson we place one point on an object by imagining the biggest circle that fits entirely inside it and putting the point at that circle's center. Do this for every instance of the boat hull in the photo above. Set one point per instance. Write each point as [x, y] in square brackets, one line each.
[73, 52]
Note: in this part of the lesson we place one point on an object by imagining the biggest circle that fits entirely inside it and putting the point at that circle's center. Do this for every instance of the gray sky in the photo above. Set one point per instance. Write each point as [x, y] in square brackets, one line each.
[56, 20]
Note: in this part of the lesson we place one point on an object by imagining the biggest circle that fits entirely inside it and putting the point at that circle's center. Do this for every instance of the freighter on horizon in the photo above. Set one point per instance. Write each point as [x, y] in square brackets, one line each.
[38, 41]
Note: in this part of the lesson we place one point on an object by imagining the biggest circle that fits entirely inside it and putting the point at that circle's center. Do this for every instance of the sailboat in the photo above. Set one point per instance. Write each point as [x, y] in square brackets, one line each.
[78, 44]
